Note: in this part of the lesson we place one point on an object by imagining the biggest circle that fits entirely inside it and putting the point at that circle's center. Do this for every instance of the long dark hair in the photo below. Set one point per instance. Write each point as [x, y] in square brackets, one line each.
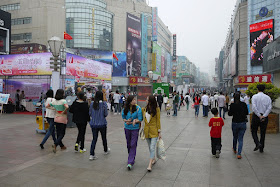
[236, 98]
[59, 94]
[49, 93]
[127, 105]
[152, 105]
[98, 97]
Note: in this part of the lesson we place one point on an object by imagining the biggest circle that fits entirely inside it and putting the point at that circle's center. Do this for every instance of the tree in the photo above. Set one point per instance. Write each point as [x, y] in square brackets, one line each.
[272, 91]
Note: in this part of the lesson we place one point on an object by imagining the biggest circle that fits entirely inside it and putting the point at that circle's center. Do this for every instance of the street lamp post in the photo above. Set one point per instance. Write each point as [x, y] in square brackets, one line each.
[55, 44]
[150, 74]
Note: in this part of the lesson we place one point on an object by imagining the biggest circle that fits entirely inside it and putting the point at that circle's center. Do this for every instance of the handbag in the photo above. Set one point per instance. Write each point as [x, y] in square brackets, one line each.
[61, 119]
[160, 150]
[142, 134]
[193, 106]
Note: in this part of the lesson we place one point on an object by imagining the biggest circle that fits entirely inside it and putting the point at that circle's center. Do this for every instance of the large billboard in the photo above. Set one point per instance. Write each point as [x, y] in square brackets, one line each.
[28, 48]
[25, 64]
[157, 50]
[144, 57]
[133, 45]
[155, 23]
[81, 67]
[233, 58]
[119, 66]
[261, 34]
[271, 57]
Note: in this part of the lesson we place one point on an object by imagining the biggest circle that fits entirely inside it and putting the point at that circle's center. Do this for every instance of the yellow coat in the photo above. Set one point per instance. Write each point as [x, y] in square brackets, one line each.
[152, 128]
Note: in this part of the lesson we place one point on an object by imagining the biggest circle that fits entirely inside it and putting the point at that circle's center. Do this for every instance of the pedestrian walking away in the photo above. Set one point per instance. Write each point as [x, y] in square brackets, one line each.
[61, 107]
[187, 100]
[196, 101]
[239, 112]
[205, 104]
[98, 112]
[116, 99]
[80, 112]
[159, 100]
[152, 129]
[216, 123]
[165, 100]
[216, 99]
[132, 117]
[50, 115]
[175, 103]
[247, 101]
[261, 106]
[222, 104]
[227, 102]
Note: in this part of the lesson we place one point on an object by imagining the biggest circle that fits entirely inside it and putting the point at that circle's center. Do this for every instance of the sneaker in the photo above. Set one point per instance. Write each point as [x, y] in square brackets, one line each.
[76, 147]
[218, 154]
[115, 113]
[41, 145]
[239, 156]
[63, 148]
[83, 150]
[91, 157]
[108, 151]
[213, 155]
[129, 166]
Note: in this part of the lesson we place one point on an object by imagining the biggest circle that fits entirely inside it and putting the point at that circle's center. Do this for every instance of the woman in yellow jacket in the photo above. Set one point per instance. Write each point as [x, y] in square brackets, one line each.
[152, 129]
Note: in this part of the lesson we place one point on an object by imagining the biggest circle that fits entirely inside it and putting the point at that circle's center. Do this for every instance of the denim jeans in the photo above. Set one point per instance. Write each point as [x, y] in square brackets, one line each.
[51, 131]
[248, 106]
[117, 107]
[152, 142]
[238, 131]
[103, 132]
[188, 104]
[205, 110]
[196, 108]
[60, 132]
[220, 109]
[175, 107]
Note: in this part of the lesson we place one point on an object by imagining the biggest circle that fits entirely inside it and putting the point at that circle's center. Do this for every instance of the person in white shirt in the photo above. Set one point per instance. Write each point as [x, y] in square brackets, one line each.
[261, 106]
[116, 99]
[187, 100]
[247, 101]
[165, 100]
[212, 101]
[222, 104]
[205, 103]
[216, 99]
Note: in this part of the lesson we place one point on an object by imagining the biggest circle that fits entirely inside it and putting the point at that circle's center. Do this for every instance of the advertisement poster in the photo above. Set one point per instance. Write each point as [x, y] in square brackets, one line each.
[28, 48]
[100, 56]
[233, 59]
[157, 51]
[261, 34]
[155, 23]
[144, 57]
[31, 87]
[1, 85]
[81, 67]
[119, 66]
[174, 47]
[4, 98]
[168, 65]
[161, 88]
[70, 85]
[133, 45]
[143, 93]
[25, 64]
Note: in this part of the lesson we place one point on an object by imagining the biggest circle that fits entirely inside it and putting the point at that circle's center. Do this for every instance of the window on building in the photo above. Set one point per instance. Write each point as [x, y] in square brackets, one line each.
[9, 7]
[22, 36]
[20, 21]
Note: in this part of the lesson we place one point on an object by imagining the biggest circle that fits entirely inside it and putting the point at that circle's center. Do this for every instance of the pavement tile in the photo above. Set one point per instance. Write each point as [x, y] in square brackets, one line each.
[153, 182]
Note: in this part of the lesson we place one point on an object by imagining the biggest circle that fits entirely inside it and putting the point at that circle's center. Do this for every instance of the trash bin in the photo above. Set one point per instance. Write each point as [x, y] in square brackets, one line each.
[70, 100]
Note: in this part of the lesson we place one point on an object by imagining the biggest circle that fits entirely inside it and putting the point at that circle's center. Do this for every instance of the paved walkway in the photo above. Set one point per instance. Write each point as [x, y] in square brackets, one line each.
[189, 161]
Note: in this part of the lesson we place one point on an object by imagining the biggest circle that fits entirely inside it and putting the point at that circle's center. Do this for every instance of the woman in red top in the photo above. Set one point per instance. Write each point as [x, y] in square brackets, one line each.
[196, 101]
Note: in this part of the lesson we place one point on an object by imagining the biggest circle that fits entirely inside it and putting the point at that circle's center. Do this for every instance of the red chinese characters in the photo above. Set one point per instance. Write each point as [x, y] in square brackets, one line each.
[249, 79]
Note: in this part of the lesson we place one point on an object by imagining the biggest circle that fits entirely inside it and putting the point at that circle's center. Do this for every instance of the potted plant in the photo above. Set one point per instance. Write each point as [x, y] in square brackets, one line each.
[273, 92]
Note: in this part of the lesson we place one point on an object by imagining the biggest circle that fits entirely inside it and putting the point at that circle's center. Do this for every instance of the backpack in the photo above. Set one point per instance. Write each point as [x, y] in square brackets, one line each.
[187, 100]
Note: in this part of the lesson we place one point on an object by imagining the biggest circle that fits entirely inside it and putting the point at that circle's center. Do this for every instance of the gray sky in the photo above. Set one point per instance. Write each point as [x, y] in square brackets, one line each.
[201, 27]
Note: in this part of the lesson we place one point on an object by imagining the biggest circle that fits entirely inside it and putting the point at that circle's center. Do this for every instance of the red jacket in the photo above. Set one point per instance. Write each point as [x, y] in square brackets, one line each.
[216, 124]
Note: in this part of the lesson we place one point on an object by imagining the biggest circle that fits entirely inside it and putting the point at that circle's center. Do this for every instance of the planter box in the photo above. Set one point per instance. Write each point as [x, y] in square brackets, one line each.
[273, 123]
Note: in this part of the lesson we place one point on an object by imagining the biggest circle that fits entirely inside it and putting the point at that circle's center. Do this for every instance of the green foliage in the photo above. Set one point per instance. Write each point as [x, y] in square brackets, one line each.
[272, 91]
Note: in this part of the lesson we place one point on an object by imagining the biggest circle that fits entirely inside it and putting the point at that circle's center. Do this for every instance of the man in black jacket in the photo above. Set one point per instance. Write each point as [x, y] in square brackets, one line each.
[160, 100]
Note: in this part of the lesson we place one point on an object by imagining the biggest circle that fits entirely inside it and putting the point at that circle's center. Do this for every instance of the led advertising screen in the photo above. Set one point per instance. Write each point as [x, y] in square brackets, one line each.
[25, 64]
[119, 66]
[133, 45]
[144, 58]
[157, 50]
[261, 34]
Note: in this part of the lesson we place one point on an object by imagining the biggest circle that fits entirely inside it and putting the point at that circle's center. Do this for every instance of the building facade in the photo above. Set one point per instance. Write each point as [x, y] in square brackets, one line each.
[5, 32]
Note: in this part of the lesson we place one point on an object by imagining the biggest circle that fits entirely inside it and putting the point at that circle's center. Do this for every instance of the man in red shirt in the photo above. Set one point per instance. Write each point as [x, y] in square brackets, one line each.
[216, 123]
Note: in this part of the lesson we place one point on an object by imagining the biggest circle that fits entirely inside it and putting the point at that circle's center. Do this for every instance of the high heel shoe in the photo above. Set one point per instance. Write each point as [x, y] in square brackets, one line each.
[149, 169]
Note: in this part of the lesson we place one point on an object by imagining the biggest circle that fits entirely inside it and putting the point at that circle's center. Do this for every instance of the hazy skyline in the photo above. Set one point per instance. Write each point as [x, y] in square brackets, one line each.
[201, 27]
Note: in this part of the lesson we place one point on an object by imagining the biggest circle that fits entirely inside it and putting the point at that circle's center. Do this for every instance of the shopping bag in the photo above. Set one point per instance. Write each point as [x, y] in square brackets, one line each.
[193, 105]
[161, 154]
[142, 134]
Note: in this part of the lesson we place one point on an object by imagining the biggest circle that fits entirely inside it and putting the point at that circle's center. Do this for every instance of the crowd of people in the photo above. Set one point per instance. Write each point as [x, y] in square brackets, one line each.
[96, 111]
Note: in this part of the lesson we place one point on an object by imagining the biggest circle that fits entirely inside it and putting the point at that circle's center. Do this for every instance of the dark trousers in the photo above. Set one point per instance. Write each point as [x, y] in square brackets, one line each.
[224, 112]
[205, 110]
[103, 132]
[216, 144]
[160, 104]
[60, 132]
[17, 106]
[81, 134]
[256, 123]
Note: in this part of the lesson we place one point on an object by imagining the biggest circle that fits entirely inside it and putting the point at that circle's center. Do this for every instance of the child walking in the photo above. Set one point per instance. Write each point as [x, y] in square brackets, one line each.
[168, 108]
[216, 123]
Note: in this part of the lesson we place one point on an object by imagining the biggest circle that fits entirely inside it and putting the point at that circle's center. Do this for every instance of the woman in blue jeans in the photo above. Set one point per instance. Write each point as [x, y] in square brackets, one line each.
[239, 111]
[50, 114]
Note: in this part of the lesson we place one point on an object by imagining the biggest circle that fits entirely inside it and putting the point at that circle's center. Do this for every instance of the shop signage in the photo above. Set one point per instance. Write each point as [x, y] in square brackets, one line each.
[81, 67]
[155, 24]
[4, 98]
[2, 23]
[174, 47]
[271, 56]
[154, 61]
[162, 88]
[133, 81]
[25, 64]
[249, 79]
[264, 13]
